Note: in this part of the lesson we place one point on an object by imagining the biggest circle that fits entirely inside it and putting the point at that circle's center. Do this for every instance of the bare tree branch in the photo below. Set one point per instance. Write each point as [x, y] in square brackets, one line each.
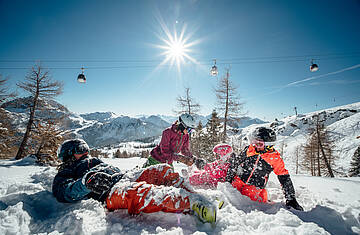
[228, 102]
[187, 104]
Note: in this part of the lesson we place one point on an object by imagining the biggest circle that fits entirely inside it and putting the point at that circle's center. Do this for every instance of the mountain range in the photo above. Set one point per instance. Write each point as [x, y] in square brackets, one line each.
[102, 128]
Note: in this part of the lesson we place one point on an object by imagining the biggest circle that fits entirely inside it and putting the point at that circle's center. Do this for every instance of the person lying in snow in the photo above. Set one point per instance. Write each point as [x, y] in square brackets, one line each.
[174, 144]
[249, 172]
[152, 189]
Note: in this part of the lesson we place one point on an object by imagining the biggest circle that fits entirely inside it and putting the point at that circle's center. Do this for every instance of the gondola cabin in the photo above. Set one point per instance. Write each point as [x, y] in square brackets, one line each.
[314, 67]
[81, 78]
[214, 71]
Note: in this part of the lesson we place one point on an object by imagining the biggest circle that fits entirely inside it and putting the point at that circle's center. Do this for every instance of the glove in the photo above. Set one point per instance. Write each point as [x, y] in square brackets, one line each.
[187, 160]
[199, 162]
[98, 182]
[293, 204]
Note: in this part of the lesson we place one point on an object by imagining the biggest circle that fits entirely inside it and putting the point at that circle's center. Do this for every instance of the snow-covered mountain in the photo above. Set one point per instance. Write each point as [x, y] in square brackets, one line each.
[99, 116]
[99, 128]
[120, 129]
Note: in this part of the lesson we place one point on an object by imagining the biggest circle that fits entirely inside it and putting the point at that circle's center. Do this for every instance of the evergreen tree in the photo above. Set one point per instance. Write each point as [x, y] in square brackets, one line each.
[355, 164]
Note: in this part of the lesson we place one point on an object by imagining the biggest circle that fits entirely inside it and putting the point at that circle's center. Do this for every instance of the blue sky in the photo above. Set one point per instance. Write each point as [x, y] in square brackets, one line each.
[268, 46]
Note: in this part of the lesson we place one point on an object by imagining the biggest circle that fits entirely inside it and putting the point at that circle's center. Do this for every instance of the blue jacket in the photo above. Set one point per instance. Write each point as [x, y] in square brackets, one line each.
[68, 185]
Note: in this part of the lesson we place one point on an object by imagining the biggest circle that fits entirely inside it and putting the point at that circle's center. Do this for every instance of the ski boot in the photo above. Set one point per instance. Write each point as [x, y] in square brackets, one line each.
[206, 214]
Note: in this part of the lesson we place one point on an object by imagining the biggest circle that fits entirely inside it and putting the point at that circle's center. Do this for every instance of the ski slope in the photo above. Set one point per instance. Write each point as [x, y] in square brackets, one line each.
[332, 206]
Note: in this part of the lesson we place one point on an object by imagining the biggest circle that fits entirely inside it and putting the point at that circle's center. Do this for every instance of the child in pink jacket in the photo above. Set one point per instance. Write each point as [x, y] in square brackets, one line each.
[213, 172]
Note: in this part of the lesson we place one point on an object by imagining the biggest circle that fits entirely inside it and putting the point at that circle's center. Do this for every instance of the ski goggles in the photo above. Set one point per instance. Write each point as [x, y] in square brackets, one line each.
[81, 149]
[258, 143]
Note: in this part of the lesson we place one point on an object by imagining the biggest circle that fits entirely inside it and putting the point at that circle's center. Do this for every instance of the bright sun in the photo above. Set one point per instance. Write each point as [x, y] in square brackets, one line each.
[176, 47]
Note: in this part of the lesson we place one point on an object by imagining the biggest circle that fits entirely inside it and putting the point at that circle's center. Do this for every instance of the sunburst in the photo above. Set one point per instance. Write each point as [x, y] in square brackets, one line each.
[177, 47]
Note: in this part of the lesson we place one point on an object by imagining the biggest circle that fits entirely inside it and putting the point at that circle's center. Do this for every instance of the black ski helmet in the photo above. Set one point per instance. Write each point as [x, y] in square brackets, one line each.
[263, 134]
[70, 147]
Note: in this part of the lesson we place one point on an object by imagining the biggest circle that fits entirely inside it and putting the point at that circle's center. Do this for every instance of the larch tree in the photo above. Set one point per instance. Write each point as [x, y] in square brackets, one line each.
[47, 137]
[212, 136]
[187, 104]
[228, 102]
[319, 157]
[38, 84]
[355, 164]
[8, 138]
[197, 141]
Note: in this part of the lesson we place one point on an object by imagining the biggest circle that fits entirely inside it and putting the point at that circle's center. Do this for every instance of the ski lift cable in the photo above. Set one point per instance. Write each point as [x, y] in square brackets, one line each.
[270, 58]
[224, 62]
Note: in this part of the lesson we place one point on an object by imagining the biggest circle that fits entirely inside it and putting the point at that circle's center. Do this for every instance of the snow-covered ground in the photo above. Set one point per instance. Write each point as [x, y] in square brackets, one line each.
[332, 206]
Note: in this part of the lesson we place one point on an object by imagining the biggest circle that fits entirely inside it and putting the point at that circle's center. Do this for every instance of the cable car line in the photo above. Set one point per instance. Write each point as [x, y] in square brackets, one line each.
[264, 58]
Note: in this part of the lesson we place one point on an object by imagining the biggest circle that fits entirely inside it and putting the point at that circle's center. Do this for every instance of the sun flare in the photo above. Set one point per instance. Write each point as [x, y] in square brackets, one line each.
[176, 47]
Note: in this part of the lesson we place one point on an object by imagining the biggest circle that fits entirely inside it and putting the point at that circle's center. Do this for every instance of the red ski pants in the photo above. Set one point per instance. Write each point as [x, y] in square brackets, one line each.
[157, 188]
[254, 193]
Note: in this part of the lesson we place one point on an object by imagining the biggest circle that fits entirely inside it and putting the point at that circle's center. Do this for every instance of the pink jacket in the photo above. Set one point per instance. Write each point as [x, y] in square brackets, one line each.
[213, 173]
[172, 142]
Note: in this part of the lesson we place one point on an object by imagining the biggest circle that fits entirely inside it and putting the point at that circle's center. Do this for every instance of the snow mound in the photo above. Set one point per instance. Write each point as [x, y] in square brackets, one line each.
[27, 206]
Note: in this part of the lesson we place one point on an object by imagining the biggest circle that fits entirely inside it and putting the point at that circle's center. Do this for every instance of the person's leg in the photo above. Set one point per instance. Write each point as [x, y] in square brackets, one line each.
[142, 197]
[251, 191]
[158, 188]
[161, 174]
[150, 162]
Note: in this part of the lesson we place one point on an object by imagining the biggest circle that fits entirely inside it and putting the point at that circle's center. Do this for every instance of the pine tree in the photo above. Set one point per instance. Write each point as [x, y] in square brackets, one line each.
[39, 84]
[355, 164]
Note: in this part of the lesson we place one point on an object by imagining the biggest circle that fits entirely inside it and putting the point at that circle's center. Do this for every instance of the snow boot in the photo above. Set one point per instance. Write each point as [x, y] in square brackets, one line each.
[206, 214]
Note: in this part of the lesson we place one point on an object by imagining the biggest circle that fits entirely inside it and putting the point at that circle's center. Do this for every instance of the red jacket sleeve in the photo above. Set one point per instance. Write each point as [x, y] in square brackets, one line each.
[277, 163]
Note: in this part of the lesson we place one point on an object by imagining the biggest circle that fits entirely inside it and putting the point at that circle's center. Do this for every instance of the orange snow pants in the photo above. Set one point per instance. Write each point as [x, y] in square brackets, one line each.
[157, 188]
[254, 193]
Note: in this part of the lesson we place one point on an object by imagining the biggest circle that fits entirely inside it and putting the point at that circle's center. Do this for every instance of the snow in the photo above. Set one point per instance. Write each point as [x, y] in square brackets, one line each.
[27, 206]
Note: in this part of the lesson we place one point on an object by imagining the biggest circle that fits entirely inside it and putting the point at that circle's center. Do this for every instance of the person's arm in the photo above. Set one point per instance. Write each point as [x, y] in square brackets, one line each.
[165, 146]
[66, 189]
[187, 157]
[286, 183]
[234, 162]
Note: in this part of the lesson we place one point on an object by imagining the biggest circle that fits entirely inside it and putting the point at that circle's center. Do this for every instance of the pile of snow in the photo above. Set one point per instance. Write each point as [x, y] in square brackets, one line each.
[27, 206]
